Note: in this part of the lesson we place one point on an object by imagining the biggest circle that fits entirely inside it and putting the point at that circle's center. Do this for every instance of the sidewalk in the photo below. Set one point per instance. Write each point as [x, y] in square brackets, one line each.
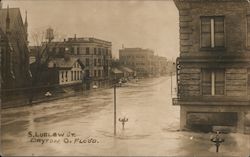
[61, 93]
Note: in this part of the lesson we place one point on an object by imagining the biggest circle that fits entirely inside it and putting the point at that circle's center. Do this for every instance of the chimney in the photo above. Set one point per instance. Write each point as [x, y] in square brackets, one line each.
[75, 36]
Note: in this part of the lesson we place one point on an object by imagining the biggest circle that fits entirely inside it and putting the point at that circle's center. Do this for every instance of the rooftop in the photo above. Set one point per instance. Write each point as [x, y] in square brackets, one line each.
[135, 49]
[88, 40]
[64, 62]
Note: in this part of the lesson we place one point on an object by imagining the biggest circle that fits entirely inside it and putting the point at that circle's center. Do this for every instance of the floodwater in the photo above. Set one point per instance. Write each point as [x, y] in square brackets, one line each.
[84, 125]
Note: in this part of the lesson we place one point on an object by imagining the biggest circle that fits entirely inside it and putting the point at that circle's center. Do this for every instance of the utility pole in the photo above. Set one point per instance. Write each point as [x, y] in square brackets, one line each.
[114, 109]
[171, 83]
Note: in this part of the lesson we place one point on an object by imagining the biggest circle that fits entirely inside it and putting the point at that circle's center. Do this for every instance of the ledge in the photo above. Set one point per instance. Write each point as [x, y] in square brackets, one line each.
[212, 101]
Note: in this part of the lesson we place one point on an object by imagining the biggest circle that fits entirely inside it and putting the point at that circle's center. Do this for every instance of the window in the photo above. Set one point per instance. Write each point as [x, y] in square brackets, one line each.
[87, 73]
[79, 75]
[213, 81]
[94, 51]
[87, 61]
[66, 76]
[87, 50]
[99, 73]
[94, 62]
[99, 62]
[102, 51]
[212, 32]
[62, 75]
[99, 51]
[62, 49]
[78, 50]
[94, 73]
[72, 76]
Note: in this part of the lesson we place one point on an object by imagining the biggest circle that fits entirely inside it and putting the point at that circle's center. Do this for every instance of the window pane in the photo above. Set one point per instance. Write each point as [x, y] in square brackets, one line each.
[219, 31]
[219, 81]
[205, 25]
[219, 24]
[206, 82]
[205, 32]
[205, 40]
[219, 39]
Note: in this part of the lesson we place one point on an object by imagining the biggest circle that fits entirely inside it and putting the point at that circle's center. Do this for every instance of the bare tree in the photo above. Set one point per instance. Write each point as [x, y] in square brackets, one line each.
[42, 43]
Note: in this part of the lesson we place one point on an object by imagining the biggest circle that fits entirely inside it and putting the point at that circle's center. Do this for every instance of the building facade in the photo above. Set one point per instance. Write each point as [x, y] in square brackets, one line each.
[67, 70]
[138, 59]
[14, 50]
[213, 70]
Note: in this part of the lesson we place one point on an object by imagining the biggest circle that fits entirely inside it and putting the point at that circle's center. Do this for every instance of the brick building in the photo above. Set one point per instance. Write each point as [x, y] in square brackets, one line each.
[138, 59]
[213, 70]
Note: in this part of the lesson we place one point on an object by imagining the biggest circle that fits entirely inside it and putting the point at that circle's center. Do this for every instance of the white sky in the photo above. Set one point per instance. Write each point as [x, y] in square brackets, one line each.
[134, 23]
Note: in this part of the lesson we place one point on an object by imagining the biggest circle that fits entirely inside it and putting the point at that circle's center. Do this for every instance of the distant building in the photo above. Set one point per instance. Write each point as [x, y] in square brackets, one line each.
[213, 70]
[127, 72]
[116, 74]
[138, 59]
[14, 49]
[161, 66]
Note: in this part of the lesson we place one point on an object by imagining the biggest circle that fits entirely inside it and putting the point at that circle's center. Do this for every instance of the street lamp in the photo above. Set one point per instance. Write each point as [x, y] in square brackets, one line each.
[123, 121]
[217, 140]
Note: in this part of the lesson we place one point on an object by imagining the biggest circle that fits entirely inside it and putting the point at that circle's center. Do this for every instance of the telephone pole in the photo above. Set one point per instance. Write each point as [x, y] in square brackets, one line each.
[114, 109]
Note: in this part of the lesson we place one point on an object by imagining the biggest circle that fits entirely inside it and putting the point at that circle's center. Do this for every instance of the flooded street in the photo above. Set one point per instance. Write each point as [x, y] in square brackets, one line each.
[85, 125]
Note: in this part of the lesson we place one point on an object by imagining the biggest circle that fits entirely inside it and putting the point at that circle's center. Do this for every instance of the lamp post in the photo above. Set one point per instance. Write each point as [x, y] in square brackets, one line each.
[123, 121]
[217, 141]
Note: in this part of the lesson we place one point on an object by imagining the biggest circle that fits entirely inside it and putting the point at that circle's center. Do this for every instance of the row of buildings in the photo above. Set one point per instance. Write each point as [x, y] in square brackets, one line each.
[76, 60]
[82, 61]
[213, 70]
[144, 62]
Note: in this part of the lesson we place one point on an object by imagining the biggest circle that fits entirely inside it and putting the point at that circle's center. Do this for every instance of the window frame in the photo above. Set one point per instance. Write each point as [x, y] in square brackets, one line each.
[213, 84]
[212, 35]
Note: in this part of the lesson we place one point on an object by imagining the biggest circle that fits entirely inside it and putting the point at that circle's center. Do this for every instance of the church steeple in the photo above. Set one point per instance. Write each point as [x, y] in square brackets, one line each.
[7, 21]
[1, 4]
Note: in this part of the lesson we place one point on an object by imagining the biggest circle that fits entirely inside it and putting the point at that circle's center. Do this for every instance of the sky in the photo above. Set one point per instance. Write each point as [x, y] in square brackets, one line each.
[132, 23]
